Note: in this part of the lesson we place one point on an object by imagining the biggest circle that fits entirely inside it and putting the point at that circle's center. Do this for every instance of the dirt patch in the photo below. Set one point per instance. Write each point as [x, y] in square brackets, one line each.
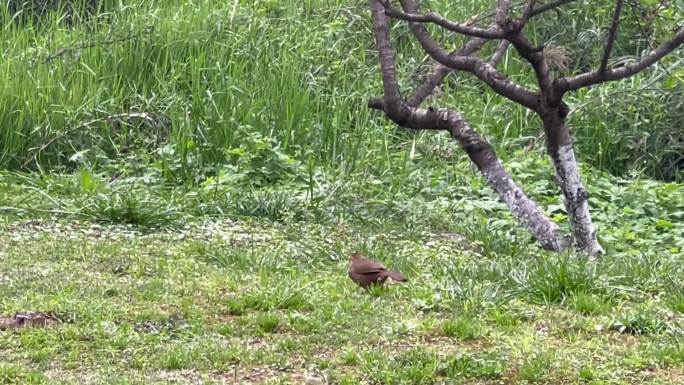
[226, 318]
[264, 374]
[667, 375]
[28, 319]
[326, 354]
[251, 375]
[172, 325]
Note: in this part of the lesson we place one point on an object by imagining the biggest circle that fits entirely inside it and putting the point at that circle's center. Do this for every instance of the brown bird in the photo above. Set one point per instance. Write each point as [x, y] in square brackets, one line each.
[365, 272]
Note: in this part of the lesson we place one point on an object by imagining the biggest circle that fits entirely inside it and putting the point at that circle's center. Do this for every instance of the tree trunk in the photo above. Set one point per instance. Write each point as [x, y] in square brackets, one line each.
[527, 213]
[576, 197]
[483, 156]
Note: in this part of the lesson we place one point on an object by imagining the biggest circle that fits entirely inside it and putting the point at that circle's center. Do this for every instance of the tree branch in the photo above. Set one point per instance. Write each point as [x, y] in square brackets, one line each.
[547, 7]
[479, 151]
[436, 78]
[468, 29]
[464, 29]
[536, 58]
[612, 35]
[392, 96]
[483, 70]
[534, 55]
[478, 67]
[499, 53]
[529, 8]
[537, 11]
[440, 73]
[566, 84]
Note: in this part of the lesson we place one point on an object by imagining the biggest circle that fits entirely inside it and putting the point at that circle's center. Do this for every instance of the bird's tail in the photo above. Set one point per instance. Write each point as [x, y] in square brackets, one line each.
[395, 275]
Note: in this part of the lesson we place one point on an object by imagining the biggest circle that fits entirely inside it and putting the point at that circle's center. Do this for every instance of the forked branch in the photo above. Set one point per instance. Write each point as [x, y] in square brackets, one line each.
[440, 73]
[594, 77]
[476, 66]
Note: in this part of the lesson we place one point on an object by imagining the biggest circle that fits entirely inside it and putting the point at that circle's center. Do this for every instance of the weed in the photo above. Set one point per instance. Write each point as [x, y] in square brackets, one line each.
[588, 304]
[640, 321]
[551, 280]
[267, 323]
[472, 367]
[587, 373]
[463, 328]
[676, 303]
[536, 367]
[505, 319]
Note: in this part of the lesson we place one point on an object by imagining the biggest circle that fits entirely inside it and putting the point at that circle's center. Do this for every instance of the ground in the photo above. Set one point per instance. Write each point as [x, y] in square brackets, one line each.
[182, 182]
[257, 302]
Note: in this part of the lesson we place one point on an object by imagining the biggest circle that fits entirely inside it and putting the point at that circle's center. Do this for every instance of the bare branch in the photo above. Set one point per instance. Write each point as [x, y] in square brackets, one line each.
[547, 7]
[483, 70]
[503, 6]
[499, 53]
[537, 11]
[392, 96]
[440, 73]
[536, 58]
[432, 17]
[480, 152]
[432, 81]
[612, 35]
[529, 8]
[478, 67]
[594, 77]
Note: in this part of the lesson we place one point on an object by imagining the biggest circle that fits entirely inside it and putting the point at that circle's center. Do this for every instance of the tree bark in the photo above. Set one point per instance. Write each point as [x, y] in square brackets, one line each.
[575, 196]
[524, 210]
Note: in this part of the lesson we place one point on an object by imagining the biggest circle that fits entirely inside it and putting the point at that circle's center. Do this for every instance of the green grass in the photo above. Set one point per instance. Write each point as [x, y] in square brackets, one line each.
[223, 280]
[262, 300]
[589, 304]
[206, 241]
[463, 328]
[535, 368]
[204, 91]
[218, 82]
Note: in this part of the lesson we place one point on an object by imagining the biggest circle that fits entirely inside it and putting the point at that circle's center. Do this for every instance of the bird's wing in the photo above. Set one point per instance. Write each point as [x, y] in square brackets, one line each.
[368, 264]
[368, 270]
[368, 267]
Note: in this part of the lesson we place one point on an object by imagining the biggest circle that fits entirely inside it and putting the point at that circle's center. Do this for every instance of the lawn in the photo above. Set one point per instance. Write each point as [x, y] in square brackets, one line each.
[249, 299]
[183, 182]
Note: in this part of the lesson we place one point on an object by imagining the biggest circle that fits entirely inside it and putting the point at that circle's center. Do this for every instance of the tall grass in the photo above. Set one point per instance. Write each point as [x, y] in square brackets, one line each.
[215, 70]
[212, 73]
